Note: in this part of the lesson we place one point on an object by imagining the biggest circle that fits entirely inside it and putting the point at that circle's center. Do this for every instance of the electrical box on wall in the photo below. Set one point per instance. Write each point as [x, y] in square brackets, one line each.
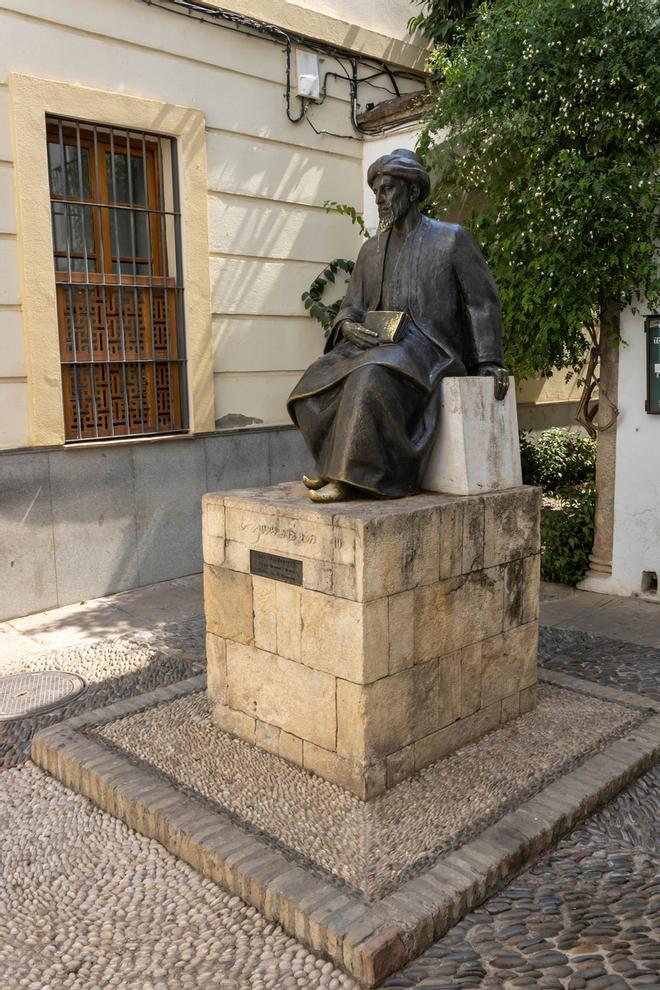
[309, 74]
[652, 328]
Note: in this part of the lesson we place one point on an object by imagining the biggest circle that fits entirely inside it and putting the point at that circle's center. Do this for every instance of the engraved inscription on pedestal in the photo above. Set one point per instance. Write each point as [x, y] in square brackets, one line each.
[270, 565]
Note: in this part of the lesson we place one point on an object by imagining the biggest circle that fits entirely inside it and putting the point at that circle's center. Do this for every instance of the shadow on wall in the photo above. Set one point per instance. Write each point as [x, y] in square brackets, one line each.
[248, 227]
[80, 523]
[273, 242]
[269, 237]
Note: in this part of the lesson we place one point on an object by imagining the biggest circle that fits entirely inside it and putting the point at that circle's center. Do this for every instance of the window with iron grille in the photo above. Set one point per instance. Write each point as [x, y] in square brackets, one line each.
[117, 253]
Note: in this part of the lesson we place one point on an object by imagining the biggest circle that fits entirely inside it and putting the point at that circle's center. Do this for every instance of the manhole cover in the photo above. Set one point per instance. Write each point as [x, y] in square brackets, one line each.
[31, 694]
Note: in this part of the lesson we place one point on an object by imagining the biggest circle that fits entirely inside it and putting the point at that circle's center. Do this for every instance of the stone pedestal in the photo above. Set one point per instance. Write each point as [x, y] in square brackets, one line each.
[477, 448]
[387, 634]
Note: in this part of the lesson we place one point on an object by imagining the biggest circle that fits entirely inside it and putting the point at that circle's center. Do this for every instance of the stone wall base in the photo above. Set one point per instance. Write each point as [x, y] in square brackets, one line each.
[90, 520]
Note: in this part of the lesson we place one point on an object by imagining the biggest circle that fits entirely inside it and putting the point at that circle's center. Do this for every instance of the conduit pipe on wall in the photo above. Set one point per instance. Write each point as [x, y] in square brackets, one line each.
[230, 21]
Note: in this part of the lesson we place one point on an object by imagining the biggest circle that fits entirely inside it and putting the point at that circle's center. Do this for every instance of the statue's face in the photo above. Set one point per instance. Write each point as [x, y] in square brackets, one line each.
[394, 197]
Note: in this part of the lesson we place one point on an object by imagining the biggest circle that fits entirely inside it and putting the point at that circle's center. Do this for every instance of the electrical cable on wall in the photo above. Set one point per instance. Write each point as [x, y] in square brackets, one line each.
[270, 32]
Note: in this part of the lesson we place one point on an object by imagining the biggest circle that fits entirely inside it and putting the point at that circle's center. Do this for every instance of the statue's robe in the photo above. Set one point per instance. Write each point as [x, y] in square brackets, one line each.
[370, 416]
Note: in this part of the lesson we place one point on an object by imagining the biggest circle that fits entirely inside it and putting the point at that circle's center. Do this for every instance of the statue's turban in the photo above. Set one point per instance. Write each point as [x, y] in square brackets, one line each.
[403, 164]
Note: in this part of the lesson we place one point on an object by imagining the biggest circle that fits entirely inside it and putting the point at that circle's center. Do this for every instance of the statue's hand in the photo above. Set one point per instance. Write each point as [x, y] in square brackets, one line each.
[359, 335]
[501, 377]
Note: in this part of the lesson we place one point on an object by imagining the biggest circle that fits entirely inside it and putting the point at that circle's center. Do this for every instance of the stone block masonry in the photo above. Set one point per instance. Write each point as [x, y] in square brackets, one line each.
[476, 449]
[407, 628]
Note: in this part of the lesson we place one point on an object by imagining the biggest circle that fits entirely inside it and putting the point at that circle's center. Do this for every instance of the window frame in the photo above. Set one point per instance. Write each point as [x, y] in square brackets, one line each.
[31, 100]
[100, 201]
[93, 410]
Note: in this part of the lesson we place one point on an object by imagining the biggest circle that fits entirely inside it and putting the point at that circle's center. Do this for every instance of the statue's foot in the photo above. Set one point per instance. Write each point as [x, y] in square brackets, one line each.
[333, 491]
[314, 483]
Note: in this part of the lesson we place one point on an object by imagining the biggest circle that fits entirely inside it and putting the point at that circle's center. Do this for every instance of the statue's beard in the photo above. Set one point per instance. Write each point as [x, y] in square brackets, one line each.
[388, 216]
[386, 219]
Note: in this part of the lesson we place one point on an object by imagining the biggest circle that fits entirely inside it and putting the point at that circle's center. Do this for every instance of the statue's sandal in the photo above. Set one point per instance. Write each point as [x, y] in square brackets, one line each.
[314, 483]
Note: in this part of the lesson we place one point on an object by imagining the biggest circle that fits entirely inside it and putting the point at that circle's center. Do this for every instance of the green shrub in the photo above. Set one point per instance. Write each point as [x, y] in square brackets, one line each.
[567, 535]
[557, 460]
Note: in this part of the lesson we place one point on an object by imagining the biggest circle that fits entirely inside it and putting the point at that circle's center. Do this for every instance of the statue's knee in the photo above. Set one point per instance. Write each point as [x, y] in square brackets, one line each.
[370, 374]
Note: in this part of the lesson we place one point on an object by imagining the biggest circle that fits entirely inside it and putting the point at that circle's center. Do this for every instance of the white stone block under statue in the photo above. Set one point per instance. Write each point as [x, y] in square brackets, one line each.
[477, 449]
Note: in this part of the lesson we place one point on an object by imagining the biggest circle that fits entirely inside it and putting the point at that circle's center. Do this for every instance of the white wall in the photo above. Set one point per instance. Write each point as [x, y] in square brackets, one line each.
[267, 181]
[389, 17]
[637, 492]
[373, 149]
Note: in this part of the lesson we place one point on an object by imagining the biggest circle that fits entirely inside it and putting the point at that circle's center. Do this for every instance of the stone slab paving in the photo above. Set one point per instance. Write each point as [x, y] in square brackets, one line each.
[631, 620]
[139, 611]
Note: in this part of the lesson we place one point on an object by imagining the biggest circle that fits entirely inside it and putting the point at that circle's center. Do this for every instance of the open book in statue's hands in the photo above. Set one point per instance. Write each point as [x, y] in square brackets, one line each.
[387, 325]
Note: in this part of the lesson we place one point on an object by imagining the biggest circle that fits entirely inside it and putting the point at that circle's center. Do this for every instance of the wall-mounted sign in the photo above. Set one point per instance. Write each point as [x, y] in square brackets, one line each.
[652, 328]
[271, 565]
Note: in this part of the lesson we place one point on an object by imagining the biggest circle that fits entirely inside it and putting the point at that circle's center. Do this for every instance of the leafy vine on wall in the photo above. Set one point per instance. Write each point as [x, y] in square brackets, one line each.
[326, 313]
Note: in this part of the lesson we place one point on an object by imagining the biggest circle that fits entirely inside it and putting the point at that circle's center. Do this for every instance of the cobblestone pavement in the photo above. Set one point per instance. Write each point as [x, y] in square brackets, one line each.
[372, 847]
[115, 668]
[587, 915]
[88, 904]
[85, 903]
[596, 658]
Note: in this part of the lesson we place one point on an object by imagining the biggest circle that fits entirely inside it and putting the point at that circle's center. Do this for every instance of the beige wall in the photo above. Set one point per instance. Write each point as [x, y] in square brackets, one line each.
[267, 180]
[545, 390]
[547, 402]
[13, 380]
[30, 98]
[374, 27]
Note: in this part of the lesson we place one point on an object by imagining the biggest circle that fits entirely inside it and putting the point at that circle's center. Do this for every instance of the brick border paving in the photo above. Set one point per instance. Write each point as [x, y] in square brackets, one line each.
[369, 941]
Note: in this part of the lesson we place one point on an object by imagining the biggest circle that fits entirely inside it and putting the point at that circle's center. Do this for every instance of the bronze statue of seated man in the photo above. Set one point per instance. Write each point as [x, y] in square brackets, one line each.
[421, 305]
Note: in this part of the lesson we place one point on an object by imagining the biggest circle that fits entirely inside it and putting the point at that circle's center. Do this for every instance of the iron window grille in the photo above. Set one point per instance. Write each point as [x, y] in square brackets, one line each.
[116, 225]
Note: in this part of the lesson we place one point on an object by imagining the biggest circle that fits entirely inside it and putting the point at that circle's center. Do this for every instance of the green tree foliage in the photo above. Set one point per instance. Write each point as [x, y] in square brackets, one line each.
[567, 534]
[445, 21]
[558, 459]
[345, 210]
[313, 298]
[551, 159]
